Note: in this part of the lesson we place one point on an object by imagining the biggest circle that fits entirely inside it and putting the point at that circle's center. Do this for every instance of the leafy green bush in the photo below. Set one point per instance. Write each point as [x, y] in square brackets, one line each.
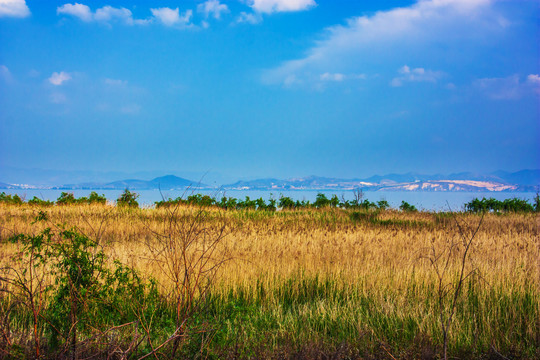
[128, 199]
[10, 199]
[247, 204]
[321, 201]
[87, 293]
[95, 198]
[40, 202]
[66, 199]
[383, 204]
[405, 206]
[286, 202]
[508, 205]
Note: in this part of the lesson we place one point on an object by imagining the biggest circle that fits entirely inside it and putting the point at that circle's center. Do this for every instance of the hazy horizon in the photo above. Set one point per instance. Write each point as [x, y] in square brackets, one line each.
[269, 88]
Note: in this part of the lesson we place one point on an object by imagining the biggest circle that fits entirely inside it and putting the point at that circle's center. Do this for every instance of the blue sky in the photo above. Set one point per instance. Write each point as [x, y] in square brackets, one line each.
[281, 88]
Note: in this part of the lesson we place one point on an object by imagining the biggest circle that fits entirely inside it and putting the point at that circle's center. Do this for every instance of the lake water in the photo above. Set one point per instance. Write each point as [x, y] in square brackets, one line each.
[433, 201]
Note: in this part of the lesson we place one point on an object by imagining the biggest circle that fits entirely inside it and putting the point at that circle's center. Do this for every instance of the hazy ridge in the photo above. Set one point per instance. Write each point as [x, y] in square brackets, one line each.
[524, 180]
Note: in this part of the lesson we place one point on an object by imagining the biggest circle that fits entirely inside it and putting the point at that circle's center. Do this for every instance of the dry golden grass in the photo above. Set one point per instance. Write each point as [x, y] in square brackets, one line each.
[323, 242]
[383, 257]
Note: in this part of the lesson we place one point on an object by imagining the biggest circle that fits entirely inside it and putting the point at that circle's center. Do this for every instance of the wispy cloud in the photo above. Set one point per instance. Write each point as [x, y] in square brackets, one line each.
[248, 18]
[339, 77]
[415, 75]
[533, 79]
[115, 82]
[271, 6]
[5, 74]
[58, 98]
[332, 77]
[347, 47]
[212, 8]
[130, 109]
[508, 88]
[14, 8]
[58, 78]
[105, 15]
[108, 14]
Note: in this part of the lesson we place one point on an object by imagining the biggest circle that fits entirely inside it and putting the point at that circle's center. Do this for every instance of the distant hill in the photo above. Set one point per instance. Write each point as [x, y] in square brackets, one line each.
[4, 185]
[523, 177]
[168, 182]
[524, 180]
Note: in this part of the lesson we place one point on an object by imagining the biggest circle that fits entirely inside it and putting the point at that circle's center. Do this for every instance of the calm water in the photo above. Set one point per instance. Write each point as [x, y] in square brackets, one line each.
[422, 200]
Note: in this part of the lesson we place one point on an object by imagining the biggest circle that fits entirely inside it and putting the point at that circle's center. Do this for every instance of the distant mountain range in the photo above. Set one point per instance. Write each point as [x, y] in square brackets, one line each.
[168, 182]
[524, 180]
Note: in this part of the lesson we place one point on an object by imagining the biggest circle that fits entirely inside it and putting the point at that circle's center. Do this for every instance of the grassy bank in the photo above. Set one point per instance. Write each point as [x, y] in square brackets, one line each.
[304, 283]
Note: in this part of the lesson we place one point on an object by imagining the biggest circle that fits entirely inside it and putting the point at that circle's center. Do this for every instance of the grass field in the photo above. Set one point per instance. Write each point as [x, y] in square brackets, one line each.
[313, 284]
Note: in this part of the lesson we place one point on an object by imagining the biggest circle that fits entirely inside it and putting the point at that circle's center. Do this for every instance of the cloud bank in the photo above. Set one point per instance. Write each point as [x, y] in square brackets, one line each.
[388, 36]
[271, 6]
[14, 8]
[108, 14]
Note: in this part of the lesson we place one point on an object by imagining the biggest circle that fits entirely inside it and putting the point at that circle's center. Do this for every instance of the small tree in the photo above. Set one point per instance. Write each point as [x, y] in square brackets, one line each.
[405, 206]
[286, 202]
[321, 201]
[66, 199]
[10, 199]
[383, 204]
[94, 197]
[128, 199]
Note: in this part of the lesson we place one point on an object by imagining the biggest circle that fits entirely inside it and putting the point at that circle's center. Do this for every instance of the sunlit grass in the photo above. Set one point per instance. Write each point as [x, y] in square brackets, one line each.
[332, 276]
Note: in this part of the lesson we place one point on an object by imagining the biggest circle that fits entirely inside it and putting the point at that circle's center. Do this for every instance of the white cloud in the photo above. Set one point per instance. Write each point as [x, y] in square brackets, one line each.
[105, 14]
[415, 75]
[166, 16]
[212, 8]
[109, 13]
[172, 17]
[402, 32]
[271, 6]
[58, 79]
[248, 18]
[14, 8]
[80, 11]
[533, 79]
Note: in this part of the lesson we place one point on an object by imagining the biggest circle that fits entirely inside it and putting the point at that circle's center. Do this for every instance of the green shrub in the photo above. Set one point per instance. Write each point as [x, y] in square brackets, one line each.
[66, 199]
[128, 199]
[383, 204]
[508, 205]
[87, 293]
[10, 199]
[95, 198]
[286, 202]
[40, 202]
[321, 201]
[405, 206]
